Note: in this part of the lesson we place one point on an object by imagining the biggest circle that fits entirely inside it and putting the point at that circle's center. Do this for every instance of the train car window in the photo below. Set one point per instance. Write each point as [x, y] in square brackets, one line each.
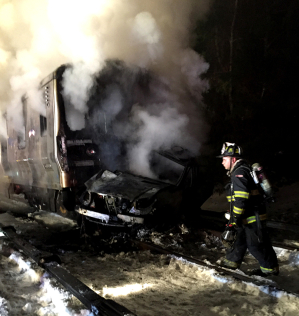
[47, 96]
[21, 140]
[3, 155]
[21, 134]
[43, 125]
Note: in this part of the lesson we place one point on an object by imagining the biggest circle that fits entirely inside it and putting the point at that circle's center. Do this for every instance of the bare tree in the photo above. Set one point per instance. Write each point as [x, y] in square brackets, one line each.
[231, 42]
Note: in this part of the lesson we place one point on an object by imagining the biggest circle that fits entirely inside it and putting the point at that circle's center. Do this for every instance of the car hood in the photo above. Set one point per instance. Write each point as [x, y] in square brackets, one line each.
[125, 185]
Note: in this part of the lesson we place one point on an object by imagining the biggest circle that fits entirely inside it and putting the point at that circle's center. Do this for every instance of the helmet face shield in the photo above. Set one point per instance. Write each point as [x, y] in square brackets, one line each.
[230, 150]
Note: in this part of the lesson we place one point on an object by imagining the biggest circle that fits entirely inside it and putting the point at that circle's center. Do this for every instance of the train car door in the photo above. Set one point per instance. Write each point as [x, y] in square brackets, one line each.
[19, 149]
[34, 145]
[4, 167]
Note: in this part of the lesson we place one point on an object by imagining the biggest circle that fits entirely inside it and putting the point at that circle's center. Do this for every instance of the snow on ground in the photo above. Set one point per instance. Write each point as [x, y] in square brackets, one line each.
[24, 290]
[145, 283]
[170, 286]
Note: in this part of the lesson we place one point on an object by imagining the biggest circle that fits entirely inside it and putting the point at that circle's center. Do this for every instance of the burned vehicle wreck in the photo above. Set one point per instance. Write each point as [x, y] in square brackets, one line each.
[85, 173]
[122, 198]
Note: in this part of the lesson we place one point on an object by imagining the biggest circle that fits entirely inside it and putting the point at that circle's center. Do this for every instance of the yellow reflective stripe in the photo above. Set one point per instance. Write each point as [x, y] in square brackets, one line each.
[275, 269]
[231, 264]
[238, 210]
[262, 268]
[229, 198]
[252, 219]
[242, 194]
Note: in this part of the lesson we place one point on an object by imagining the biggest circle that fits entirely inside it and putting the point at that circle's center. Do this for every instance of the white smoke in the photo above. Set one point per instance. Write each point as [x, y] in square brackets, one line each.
[156, 132]
[37, 36]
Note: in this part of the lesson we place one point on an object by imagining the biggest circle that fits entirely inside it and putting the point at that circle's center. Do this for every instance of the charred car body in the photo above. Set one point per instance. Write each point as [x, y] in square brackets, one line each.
[63, 171]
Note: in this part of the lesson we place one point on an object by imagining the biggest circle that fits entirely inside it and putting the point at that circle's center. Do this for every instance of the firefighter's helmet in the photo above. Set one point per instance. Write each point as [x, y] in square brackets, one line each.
[231, 150]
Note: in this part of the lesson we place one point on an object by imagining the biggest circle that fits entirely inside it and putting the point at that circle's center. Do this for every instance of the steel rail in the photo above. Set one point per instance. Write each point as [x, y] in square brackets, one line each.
[222, 271]
[94, 302]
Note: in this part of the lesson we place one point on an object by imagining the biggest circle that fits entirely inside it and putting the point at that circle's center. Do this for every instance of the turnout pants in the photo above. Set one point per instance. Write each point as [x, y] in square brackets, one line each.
[260, 248]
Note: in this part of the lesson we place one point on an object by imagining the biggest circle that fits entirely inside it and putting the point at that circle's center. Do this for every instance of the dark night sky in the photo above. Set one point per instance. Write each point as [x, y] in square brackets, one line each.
[252, 48]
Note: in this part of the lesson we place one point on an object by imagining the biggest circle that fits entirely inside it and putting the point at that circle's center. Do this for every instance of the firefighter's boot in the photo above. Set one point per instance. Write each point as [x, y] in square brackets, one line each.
[223, 262]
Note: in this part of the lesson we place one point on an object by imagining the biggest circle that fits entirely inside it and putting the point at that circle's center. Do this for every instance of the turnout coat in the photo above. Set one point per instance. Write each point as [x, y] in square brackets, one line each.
[246, 202]
[248, 215]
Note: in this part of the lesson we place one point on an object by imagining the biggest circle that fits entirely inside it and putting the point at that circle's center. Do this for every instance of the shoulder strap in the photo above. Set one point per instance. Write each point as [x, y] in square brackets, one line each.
[251, 172]
[243, 166]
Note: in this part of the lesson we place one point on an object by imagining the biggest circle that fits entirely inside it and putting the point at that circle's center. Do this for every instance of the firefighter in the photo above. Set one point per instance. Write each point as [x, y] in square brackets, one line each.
[247, 216]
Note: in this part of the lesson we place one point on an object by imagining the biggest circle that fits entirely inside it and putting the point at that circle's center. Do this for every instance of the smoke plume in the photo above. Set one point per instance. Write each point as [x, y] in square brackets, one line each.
[37, 36]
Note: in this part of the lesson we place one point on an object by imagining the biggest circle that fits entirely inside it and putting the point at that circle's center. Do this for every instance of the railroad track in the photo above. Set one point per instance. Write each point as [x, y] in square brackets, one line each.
[51, 263]
[235, 275]
[102, 306]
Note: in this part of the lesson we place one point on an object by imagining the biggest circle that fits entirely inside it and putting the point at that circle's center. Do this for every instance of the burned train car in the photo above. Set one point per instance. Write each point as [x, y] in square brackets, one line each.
[63, 171]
